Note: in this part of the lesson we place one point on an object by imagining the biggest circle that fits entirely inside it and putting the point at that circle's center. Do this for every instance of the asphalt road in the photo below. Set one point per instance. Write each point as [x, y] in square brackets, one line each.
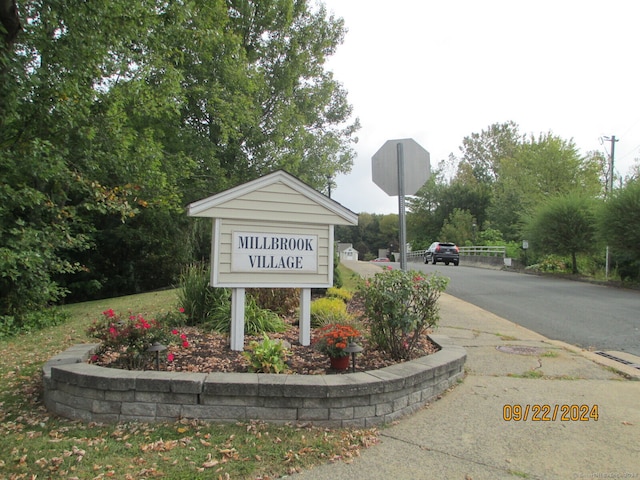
[582, 314]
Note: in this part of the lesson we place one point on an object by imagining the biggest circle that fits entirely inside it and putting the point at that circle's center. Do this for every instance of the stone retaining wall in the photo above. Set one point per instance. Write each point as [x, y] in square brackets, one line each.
[81, 391]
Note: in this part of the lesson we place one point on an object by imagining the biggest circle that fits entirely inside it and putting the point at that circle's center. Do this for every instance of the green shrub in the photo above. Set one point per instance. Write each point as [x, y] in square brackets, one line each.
[551, 263]
[400, 306]
[341, 293]
[256, 320]
[329, 310]
[31, 321]
[337, 276]
[173, 318]
[202, 303]
[267, 356]
[282, 301]
[259, 320]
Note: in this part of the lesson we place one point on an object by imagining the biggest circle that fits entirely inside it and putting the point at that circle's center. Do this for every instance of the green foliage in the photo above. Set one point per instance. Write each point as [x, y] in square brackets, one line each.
[341, 293]
[551, 263]
[619, 227]
[132, 337]
[627, 267]
[514, 249]
[490, 237]
[485, 152]
[172, 318]
[500, 178]
[327, 310]
[35, 237]
[283, 301]
[400, 307]
[31, 321]
[202, 303]
[565, 225]
[619, 220]
[352, 281]
[267, 356]
[337, 277]
[458, 228]
[369, 234]
[114, 116]
[258, 320]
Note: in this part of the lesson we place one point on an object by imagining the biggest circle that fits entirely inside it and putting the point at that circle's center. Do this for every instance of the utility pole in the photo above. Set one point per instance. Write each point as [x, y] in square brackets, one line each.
[613, 141]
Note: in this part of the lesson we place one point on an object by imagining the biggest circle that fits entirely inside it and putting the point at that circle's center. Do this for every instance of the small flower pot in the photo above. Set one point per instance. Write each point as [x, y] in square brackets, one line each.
[339, 363]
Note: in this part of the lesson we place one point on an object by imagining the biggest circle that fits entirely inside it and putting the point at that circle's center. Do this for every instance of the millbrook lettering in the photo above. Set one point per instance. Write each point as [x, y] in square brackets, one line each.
[275, 243]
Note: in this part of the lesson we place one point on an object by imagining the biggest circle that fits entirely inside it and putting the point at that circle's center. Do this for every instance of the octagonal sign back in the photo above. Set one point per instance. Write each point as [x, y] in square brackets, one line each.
[384, 166]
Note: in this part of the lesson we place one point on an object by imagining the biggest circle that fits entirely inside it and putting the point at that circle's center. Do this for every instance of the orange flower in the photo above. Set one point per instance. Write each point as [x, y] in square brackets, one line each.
[333, 339]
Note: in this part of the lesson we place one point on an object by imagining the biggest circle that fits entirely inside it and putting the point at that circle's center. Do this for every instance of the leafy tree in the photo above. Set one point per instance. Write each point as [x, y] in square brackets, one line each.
[541, 168]
[116, 114]
[565, 224]
[619, 226]
[500, 178]
[423, 218]
[390, 228]
[437, 201]
[484, 152]
[458, 228]
[490, 236]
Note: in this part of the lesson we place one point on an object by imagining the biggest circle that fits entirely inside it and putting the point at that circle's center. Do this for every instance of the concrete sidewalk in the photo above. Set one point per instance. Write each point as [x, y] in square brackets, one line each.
[472, 433]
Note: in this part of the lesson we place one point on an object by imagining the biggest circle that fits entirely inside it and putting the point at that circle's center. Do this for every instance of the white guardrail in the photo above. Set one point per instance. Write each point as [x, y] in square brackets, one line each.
[475, 251]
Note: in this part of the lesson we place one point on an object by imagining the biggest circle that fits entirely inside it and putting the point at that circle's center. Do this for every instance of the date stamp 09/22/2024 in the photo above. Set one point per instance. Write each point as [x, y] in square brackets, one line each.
[538, 412]
[550, 413]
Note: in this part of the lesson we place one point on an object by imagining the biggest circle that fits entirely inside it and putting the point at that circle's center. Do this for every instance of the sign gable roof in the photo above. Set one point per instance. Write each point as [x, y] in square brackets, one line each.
[274, 196]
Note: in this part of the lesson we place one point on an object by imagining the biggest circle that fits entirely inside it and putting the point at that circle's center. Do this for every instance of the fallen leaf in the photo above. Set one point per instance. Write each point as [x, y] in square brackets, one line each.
[211, 462]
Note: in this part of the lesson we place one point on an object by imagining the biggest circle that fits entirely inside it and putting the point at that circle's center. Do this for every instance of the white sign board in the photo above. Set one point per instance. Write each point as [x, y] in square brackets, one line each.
[273, 252]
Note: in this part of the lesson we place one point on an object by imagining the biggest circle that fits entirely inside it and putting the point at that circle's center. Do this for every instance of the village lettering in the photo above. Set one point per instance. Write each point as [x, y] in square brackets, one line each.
[275, 252]
[271, 261]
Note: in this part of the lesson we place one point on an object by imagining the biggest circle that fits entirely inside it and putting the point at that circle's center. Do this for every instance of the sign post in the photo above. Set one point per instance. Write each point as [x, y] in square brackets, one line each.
[401, 167]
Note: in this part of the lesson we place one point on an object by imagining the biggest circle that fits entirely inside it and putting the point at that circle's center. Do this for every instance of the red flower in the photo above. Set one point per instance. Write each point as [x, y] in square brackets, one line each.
[181, 310]
[185, 344]
[183, 337]
[174, 331]
[170, 357]
[109, 313]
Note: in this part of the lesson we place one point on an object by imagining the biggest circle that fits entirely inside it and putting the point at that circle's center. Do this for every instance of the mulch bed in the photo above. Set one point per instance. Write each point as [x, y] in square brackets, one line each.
[210, 352]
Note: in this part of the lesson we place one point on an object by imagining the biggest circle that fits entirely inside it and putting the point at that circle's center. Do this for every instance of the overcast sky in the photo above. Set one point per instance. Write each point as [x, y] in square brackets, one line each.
[439, 71]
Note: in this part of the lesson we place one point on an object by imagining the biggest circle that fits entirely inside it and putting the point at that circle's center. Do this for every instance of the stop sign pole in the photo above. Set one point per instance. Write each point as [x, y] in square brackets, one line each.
[390, 166]
[401, 207]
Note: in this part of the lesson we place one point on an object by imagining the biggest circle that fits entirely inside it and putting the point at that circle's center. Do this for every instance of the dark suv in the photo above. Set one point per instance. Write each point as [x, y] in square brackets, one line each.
[442, 252]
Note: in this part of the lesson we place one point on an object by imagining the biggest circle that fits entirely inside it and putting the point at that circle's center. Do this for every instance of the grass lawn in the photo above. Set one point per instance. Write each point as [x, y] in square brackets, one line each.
[39, 445]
